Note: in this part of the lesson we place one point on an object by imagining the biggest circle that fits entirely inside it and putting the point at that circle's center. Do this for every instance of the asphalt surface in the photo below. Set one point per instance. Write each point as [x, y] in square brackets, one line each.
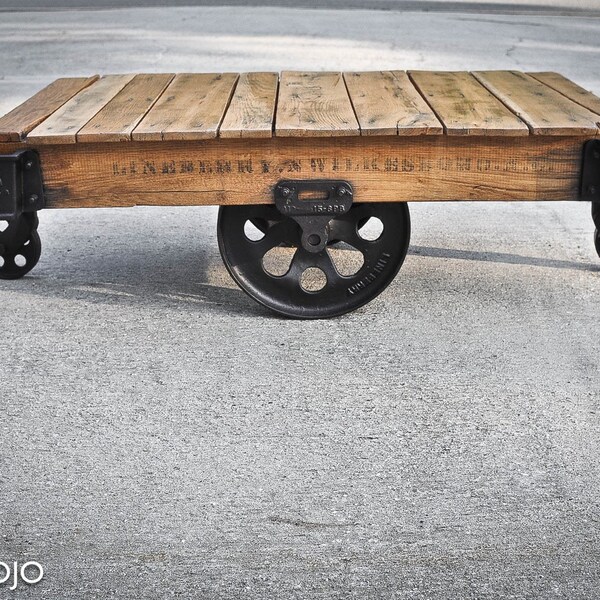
[161, 435]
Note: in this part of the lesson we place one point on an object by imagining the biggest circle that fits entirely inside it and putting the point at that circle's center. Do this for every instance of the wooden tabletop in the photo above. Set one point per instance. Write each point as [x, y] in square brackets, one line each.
[196, 106]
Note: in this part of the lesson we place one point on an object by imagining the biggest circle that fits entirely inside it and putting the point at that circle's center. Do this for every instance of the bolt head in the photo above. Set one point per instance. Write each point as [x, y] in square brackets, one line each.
[285, 192]
[33, 199]
[29, 164]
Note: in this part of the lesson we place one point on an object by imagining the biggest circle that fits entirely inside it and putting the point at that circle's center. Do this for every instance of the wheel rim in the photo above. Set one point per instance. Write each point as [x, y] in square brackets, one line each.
[288, 293]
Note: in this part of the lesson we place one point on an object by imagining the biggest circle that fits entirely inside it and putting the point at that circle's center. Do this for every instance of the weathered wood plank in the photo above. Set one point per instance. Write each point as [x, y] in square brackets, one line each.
[387, 103]
[119, 117]
[546, 111]
[381, 168]
[191, 108]
[314, 104]
[465, 107]
[252, 108]
[22, 119]
[569, 89]
[63, 125]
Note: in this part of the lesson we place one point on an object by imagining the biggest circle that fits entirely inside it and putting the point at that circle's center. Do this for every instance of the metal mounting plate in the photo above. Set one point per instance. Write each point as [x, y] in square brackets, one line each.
[335, 197]
[312, 204]
[21, 186]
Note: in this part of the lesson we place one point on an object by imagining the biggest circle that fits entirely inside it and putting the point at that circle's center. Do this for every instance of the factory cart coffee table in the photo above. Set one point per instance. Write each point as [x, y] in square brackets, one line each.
[305, 164]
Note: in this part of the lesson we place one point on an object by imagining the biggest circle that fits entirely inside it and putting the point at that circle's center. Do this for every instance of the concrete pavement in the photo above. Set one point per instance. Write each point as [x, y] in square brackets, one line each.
[580, 8]
[163, 436]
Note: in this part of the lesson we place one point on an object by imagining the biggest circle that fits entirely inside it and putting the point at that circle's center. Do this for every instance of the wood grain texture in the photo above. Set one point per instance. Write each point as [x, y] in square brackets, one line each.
[191, 108]
[569, 89]
[546, 111]
[313, 105]
[22, 119]
[387, 103]
[380, 168]
[465, 107]
[119, 117]
[63, 125]
[252, 108]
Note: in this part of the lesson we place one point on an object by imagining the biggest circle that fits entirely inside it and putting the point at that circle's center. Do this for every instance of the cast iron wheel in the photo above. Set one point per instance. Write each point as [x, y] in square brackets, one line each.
[596, 219]
[287, 293]
[20, 247]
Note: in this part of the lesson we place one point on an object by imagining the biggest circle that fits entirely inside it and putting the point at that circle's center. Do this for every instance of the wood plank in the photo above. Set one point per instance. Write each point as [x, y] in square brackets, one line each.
[63, 125]
[387, 103]
[546, 111]
[116, 121]
[314, 104]
[464, 106]
[22, 119]
[569, 89]
[191, 108]
[252, 108]
[380, 168]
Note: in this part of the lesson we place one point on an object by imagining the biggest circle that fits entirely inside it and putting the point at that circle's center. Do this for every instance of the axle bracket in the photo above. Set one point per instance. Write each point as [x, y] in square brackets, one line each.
[21, 187]
[312, 204]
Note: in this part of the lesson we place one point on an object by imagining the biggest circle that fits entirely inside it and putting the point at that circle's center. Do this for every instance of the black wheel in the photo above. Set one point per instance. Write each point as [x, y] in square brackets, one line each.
[20, 247]
[313, 285]
[596, 219]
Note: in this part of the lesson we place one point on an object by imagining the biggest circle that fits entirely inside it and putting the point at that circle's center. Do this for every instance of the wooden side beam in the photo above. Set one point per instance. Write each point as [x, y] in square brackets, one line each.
[381, 169]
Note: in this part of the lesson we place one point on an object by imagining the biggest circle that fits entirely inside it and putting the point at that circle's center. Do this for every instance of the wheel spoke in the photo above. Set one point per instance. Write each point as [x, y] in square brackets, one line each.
[345, 231]
[345, 228]
[281, 232]
[305, 260]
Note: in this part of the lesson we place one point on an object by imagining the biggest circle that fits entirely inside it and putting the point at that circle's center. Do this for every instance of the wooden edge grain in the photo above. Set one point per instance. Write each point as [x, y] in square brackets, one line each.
[123, 134]
[465, 107]
[561, 117]
[432, 124]
[190, 108]
[17, 123]
[570, 89]
[251, 112]
[432, 108]
[314, 104]
[64, 124]
[210, 131]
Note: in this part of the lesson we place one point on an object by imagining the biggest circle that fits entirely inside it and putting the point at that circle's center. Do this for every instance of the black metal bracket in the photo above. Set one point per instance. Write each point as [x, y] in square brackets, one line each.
[21, 185]
[590, 184]
[312, 204]
[590, 172]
